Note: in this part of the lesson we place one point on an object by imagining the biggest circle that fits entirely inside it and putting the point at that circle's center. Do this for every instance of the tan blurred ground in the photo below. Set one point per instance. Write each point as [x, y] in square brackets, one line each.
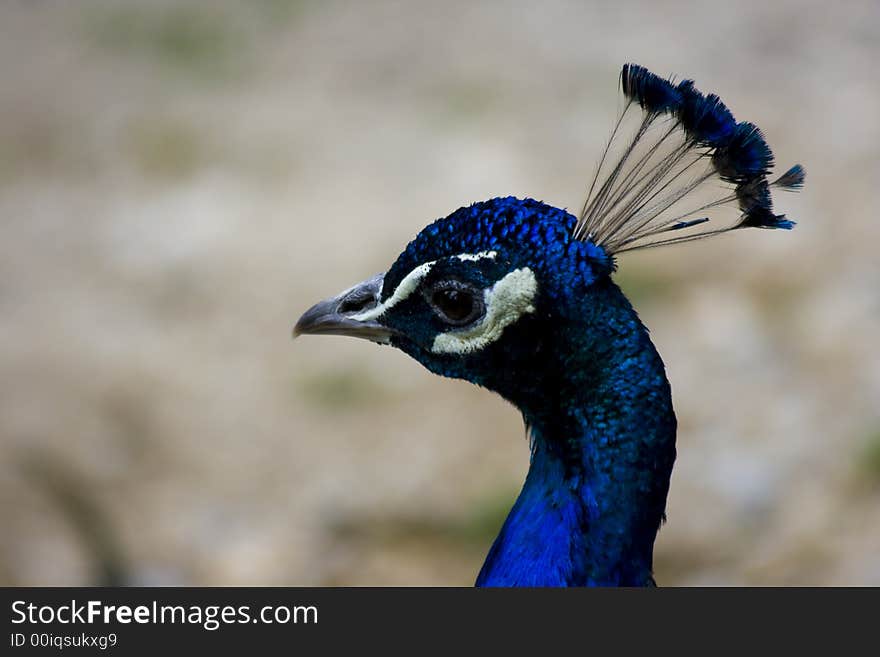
[179, 181]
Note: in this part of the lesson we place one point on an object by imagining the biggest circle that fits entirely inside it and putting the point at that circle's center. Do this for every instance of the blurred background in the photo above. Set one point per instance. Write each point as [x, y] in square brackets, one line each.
[179, 181]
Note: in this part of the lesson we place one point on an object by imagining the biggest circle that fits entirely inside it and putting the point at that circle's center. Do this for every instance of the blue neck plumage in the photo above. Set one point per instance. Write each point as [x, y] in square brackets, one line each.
[596, 489]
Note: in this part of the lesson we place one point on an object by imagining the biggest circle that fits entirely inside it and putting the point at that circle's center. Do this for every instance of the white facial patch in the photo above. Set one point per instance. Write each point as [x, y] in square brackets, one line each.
[410, 284]
[406, 287]
[506, 301]
[473, 257]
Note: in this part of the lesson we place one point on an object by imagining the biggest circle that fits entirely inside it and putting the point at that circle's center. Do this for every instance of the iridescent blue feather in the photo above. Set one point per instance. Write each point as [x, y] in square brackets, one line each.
[651, 92]
[746, 157]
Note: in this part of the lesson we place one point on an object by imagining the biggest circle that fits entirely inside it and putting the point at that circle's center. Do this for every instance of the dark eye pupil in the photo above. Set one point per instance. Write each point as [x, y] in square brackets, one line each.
[455, 304]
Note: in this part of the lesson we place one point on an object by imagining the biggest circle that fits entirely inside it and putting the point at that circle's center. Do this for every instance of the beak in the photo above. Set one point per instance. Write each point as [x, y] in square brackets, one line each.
[350, 313]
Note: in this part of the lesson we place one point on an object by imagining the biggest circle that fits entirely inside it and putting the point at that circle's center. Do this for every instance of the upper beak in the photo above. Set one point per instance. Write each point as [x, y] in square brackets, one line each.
[348, 313]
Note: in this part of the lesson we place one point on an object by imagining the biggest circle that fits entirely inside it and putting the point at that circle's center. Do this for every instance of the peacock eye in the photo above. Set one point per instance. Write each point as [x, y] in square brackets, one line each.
[455, 303]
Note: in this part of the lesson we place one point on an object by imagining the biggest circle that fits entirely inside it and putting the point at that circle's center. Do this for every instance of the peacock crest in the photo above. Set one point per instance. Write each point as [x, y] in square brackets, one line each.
[670, 178]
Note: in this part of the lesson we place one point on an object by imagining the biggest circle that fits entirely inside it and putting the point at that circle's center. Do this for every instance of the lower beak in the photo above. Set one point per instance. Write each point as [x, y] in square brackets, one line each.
[347, 314]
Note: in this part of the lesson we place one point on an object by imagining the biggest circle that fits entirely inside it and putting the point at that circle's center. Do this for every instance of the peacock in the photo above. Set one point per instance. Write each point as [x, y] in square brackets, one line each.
[517, 296]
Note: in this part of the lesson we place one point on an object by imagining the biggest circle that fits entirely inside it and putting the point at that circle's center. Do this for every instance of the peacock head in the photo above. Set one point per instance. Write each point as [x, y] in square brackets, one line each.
[478, 295]
[507, 292]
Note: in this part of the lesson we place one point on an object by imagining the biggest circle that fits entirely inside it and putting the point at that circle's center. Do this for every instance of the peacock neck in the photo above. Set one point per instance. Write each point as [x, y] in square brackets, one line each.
[595, 493]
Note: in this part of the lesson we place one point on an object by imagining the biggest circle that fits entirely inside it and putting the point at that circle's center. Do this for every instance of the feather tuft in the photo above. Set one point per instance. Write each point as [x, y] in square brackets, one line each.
[705, 118]
[764, 218]
[651, 92]
[791, 180]
[659, 181]
[757, 206]
[746, 157]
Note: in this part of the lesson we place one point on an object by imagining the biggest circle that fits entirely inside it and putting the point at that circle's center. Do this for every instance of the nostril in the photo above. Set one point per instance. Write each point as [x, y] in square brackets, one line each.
[356, 302]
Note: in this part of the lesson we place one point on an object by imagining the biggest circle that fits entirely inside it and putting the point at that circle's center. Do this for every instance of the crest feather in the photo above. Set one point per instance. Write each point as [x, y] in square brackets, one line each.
[658, 181]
